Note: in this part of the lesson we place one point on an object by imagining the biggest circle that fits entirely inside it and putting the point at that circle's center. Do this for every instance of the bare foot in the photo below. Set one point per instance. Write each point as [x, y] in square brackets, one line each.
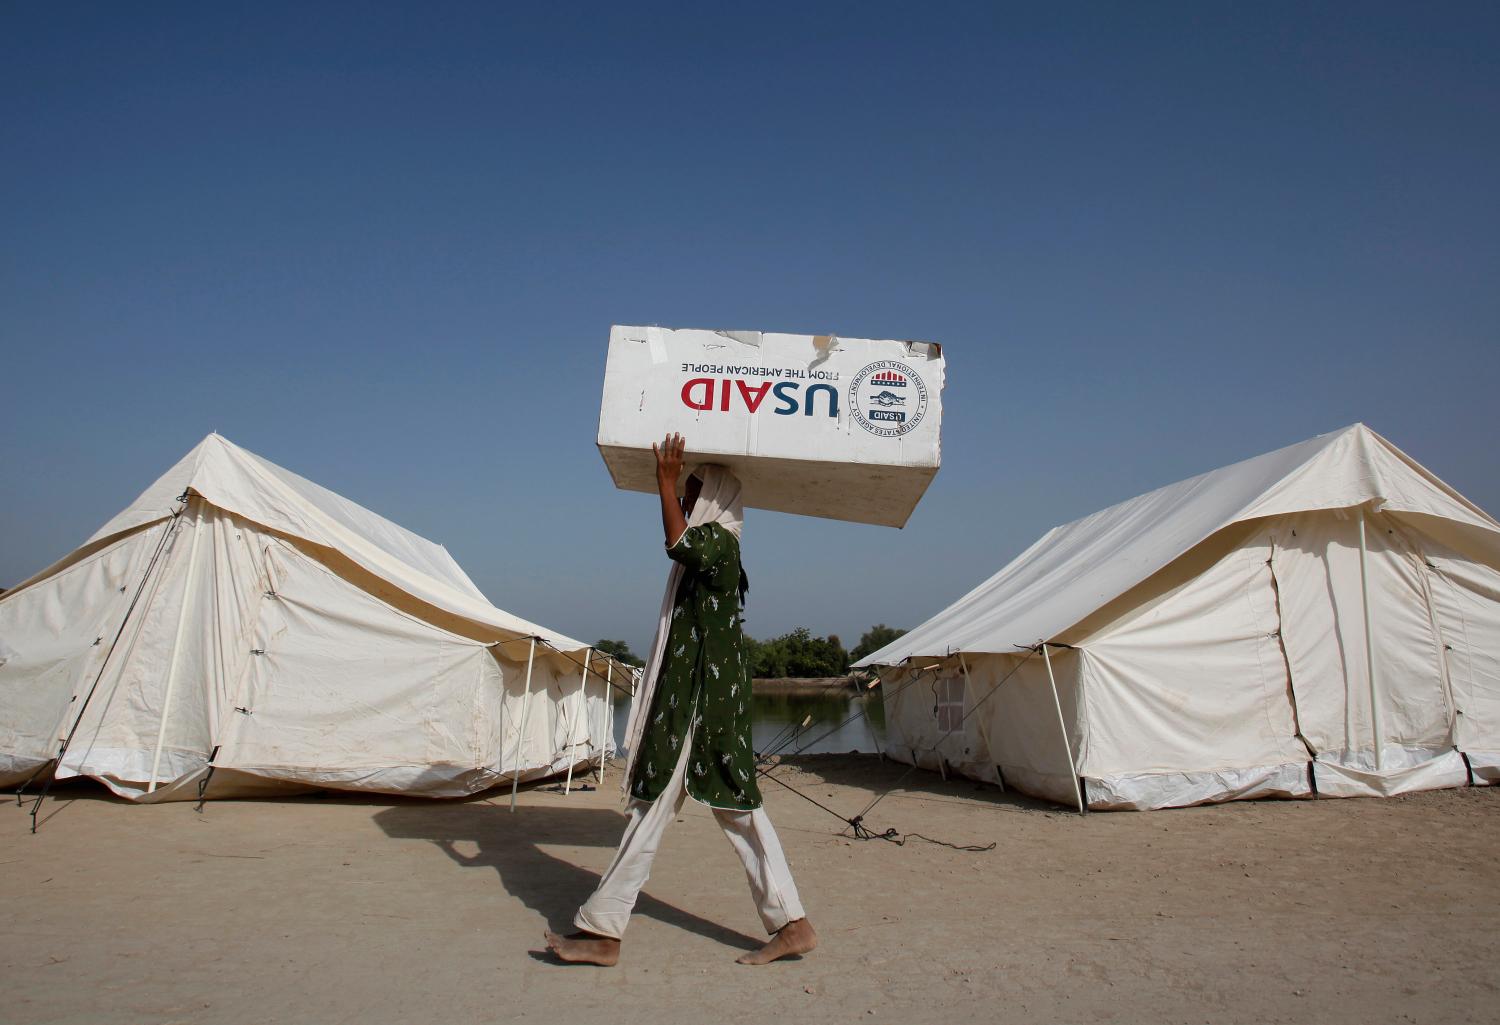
[794, 938]
[584, 948]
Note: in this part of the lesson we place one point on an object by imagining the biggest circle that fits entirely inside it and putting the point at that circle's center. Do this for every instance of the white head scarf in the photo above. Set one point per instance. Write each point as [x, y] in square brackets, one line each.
[718, 499]
[718, 502]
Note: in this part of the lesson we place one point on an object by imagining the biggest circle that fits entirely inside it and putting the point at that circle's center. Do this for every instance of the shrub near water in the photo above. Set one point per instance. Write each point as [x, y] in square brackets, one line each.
[797, 654]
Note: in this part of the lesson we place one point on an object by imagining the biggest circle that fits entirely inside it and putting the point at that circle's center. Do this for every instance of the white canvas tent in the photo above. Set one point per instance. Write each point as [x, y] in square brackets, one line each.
[1249, 632]
[241, 624]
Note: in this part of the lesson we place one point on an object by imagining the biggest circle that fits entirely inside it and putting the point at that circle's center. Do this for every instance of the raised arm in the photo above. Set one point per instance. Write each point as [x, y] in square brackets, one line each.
[668, 469]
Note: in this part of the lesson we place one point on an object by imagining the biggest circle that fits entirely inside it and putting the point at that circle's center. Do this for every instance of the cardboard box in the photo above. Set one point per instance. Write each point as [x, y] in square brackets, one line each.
[844, 428]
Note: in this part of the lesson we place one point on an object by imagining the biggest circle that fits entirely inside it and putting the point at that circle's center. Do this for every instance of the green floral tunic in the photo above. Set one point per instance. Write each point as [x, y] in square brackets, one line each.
[703, 694]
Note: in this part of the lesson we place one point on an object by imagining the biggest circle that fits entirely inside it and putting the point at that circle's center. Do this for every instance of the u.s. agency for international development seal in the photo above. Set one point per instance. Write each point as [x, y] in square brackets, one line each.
[887, 398]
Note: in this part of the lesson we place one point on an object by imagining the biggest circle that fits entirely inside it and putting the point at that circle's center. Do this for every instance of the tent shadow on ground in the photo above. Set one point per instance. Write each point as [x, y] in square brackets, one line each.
[876, 776]
[512, 846]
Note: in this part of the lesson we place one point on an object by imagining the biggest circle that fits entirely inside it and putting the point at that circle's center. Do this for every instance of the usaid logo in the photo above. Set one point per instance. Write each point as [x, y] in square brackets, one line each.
[887, 398]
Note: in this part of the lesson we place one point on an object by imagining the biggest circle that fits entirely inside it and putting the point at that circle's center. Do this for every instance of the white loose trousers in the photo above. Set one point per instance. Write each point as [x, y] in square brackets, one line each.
[750, 833]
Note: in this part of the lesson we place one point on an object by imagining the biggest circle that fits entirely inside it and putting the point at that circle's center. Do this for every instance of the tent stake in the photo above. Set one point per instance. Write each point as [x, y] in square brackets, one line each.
[182, 616]
[515, 779]
[1062, 725]
[583, 707]
[1364, 594]
[32, 778]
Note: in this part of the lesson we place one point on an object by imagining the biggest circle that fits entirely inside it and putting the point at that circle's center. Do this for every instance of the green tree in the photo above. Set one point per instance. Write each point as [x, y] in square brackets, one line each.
[620, 651]
[798, 655]
[873, 639]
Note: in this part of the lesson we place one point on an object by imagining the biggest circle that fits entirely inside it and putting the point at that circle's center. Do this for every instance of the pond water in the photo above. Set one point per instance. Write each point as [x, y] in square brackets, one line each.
[837, 725]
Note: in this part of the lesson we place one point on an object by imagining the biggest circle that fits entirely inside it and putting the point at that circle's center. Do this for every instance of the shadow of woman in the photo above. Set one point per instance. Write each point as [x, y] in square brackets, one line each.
[549, 885]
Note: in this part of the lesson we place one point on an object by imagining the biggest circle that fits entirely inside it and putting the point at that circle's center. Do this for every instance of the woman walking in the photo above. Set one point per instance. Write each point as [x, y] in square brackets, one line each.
[689, 732]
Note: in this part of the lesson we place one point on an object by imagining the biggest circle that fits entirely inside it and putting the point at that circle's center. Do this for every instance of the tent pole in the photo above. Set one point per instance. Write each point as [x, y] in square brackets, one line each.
[1062, 725]
[515, 779]
[609, 724]
[583, 706]
[1364, 594]
[182, 615]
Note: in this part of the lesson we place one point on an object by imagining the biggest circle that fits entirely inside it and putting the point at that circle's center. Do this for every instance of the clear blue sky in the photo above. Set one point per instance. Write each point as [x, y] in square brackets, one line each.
[382, 245]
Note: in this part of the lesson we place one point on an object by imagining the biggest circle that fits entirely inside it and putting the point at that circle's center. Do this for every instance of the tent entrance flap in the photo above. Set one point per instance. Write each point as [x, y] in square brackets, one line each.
[580, 709]
[1364, 596]
[606, 728]
[1286, 662]
[174, 663]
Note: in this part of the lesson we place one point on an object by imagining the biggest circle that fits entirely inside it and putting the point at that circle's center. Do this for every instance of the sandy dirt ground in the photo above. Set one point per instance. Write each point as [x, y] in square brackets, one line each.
[340, 909]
